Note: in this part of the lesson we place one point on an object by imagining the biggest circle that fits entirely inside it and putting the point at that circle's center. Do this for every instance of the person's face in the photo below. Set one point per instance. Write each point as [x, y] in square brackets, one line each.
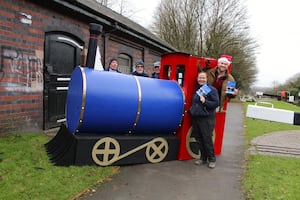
[156, 69]
[202, 78]
[222, 66]
[139, 69]
[114, 65]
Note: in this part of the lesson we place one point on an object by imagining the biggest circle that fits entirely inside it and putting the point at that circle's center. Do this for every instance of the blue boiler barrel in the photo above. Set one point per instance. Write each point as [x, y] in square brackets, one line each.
[113, 103]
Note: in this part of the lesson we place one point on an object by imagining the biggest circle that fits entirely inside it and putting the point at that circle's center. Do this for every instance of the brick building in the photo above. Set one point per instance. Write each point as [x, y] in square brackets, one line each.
[40, 44]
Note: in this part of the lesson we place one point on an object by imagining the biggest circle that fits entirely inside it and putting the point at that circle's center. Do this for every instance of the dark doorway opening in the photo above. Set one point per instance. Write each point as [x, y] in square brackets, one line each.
[62, 55]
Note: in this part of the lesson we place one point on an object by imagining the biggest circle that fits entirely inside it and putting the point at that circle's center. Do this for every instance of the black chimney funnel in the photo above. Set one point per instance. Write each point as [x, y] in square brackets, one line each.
[95, 30]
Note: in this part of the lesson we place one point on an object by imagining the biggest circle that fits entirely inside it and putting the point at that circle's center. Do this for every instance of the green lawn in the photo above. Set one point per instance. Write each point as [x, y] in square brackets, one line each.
[271, 177]
[26, 173]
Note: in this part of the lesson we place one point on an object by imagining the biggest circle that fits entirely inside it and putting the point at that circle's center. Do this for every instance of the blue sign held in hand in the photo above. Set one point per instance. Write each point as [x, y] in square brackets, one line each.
[203, 91]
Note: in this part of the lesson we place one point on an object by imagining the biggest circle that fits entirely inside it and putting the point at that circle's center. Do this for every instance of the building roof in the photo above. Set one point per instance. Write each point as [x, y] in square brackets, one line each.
[108, 17]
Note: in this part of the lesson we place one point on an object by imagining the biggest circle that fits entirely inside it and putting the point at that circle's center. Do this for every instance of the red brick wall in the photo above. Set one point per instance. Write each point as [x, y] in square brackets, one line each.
[21, 83]
[22, 59]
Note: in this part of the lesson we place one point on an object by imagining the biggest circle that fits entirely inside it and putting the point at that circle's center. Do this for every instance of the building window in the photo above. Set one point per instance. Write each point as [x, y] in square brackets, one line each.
[125, 63]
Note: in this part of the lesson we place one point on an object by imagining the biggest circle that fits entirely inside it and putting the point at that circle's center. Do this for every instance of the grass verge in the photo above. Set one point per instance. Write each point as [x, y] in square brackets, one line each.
[27, 173]
[271, 177]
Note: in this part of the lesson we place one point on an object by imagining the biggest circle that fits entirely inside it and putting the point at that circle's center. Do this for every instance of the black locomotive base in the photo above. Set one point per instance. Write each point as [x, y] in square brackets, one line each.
[93, 149]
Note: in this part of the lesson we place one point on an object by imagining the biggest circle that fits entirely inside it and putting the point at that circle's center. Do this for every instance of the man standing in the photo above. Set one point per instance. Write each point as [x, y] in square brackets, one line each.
[219, 77]
[139, 69]
[155, 74]
[204, 103]
[113, 65]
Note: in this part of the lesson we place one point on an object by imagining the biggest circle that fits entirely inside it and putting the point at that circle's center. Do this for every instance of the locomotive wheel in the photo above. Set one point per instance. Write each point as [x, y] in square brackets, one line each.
[106, 151]
[157, 150]
[191, 144]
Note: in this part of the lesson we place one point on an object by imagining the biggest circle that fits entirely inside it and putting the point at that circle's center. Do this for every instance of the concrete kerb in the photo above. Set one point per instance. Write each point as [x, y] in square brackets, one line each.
[281, 143]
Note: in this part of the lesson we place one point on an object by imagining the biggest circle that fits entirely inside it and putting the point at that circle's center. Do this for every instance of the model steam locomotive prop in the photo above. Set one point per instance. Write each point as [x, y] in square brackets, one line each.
[118, 119]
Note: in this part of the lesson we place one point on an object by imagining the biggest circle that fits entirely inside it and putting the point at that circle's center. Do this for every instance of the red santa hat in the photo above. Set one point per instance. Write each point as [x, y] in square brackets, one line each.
[225, 58]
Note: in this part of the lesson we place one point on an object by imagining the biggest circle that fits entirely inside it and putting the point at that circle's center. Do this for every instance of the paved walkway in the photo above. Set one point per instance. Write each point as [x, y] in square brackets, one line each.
[178, 180]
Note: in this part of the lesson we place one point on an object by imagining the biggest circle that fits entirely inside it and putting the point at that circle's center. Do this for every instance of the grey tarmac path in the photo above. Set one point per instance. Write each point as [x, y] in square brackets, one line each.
[182, 180]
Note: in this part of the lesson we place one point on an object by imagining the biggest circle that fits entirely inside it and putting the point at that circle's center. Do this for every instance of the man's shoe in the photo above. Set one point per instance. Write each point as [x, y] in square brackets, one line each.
[197, 162]
[212, 165]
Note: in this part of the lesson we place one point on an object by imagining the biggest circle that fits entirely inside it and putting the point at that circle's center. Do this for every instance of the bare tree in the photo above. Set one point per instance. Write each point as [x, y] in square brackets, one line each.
[175, 23]
[210, 28]
[106, 3]
[122, 7]
[292, 85]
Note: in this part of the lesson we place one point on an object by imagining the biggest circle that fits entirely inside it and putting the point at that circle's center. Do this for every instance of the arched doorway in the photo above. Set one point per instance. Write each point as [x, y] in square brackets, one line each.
[125, 63]
[62, 55]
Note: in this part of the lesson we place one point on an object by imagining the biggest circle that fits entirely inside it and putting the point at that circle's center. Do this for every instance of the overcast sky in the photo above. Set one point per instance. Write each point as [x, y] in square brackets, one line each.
[275, 25]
